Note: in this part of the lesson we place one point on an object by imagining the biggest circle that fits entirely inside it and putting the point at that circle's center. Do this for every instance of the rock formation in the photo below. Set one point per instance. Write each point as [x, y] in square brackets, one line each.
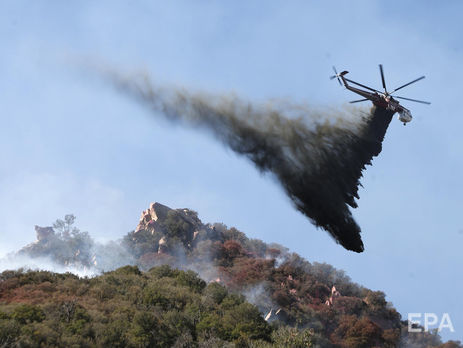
[334, 294]
[161, 220]
[44, 233]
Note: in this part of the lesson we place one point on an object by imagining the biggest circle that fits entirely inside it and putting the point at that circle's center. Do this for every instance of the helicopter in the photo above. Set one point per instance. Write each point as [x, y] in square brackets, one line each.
[381, 99]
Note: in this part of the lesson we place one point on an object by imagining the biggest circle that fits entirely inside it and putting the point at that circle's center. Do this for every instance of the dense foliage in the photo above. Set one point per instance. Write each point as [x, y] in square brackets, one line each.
[123, 308]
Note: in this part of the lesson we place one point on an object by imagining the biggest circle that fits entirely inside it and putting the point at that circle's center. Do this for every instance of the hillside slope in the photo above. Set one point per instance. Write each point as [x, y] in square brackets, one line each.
[244, 293]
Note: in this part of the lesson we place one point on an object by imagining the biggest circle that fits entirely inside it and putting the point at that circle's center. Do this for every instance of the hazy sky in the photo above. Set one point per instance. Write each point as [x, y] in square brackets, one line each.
[70, 144]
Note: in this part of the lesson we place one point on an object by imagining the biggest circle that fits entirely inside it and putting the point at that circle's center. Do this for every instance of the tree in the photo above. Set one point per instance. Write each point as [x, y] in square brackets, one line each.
[65, 227]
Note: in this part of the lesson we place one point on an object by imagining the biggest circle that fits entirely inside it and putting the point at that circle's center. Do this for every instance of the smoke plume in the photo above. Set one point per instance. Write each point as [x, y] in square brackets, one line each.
[317, 156]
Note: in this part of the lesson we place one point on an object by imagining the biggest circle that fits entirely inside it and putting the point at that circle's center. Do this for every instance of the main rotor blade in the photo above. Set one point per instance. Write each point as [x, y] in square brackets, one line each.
[413, 100]
[358, 101]
[419, 78]
[359, 84]
[334, 69]
[382, 77]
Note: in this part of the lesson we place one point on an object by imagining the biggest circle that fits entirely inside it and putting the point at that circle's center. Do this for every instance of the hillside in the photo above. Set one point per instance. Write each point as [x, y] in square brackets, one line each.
[175, 281]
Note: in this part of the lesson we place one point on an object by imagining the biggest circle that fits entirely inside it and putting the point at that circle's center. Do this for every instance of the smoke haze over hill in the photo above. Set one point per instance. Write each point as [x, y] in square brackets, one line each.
[316, 155]
[293, 298]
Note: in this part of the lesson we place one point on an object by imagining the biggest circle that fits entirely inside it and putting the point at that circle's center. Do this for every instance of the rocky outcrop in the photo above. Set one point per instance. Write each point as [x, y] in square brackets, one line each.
[334, 294]
[162, 221]
[149, 217]
[153, 218]
[44, 233]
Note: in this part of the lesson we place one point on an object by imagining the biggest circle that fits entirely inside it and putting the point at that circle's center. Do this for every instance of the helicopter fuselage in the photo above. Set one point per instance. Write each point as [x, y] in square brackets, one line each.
[382, 100]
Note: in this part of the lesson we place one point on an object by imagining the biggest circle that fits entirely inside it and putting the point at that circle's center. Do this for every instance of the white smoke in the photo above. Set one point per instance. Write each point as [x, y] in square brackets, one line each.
[16, 262]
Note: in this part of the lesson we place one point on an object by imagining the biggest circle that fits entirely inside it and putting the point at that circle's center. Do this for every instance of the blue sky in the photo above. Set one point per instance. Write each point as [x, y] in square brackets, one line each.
[68, 143]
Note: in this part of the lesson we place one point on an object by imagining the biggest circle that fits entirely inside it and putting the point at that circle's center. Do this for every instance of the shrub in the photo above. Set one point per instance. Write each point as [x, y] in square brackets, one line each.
[25, 314]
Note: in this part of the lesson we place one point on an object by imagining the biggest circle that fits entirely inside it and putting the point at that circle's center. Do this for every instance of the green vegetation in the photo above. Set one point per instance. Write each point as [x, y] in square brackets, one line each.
[124, 308]
[158, 301]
